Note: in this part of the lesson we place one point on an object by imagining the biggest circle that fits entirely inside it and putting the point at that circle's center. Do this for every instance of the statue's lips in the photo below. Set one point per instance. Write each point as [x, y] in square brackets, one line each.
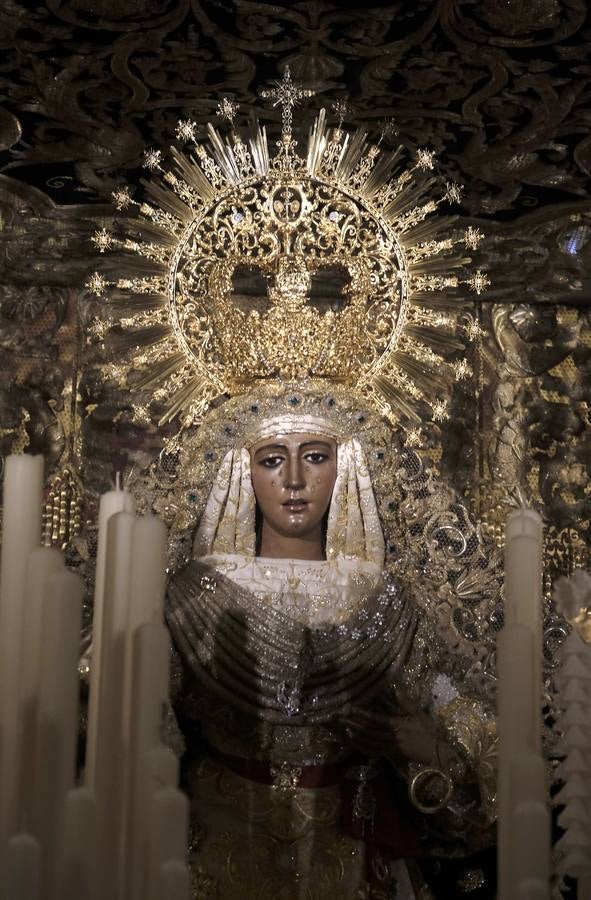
[298, 505]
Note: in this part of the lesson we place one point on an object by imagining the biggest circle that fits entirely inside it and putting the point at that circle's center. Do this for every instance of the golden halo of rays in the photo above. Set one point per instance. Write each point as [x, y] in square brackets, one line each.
[410, 382]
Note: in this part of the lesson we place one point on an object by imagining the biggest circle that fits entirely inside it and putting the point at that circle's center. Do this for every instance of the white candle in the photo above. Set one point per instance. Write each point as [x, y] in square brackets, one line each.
[530, 830]
[156, 769]
[148, 572]
[161, 769]
[21, 533]
[533, 889]
[150, 674]
[23, 869]
[174, 881]
[523, 587]
[169, 823]
[523, 564]
[516, 694]
[109, 764]
[146, 599]
[57, 720]
[112, 502]
[150, 671]
[43, 562]
[530, 820]
[519, 669]
[78, 876]
[575, 860]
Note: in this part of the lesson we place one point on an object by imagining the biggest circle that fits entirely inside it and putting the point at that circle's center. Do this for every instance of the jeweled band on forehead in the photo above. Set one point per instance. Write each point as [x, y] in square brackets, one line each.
[293, 424]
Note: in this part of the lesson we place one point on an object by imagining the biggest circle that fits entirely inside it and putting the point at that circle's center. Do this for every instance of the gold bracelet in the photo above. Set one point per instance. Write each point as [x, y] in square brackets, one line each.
[420, 783]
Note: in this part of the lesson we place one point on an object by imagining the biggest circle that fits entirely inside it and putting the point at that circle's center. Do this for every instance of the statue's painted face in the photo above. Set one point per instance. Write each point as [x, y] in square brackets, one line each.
[293, 477]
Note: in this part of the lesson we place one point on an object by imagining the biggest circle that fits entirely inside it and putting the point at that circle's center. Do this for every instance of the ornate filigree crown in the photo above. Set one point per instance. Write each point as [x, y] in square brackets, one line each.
[247, 266]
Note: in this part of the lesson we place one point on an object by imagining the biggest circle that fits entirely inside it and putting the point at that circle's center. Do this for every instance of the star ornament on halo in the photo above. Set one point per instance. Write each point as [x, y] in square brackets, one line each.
[96, 284]
[340, 108]
[425, 159]
[122, 198]
[186, 129]
[479, 282]
[102, 240]
[227, 109]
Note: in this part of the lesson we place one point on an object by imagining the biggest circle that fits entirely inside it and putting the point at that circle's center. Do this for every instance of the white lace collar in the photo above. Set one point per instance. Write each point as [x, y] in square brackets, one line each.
[314, 592]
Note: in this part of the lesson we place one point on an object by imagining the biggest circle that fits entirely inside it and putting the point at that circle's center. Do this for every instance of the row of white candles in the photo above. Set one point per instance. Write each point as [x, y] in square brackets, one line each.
[122, 833]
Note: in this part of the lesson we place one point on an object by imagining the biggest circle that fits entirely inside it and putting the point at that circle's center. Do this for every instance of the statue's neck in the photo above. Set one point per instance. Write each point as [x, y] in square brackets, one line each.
[280, 546]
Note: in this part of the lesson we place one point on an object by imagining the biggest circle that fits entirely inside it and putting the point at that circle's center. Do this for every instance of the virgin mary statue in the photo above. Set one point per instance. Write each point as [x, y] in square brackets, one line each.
[329, 602]
[339, 742]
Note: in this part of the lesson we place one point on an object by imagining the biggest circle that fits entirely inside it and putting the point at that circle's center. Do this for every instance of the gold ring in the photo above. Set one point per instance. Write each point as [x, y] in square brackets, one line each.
[422, 777]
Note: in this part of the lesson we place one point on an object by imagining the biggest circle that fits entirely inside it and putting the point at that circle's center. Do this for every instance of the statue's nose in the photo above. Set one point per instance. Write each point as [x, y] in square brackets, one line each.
[294, 472]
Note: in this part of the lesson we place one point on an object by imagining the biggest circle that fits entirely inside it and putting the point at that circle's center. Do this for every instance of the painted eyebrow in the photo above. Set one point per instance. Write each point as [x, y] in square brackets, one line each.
[268, 447]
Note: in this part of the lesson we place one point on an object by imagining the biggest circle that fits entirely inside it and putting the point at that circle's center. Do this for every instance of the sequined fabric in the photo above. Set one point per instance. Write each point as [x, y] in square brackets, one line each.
[271, 666]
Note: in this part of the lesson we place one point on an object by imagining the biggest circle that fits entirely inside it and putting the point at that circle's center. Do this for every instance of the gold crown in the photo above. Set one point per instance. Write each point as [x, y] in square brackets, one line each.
[288, 338]
[237, 258]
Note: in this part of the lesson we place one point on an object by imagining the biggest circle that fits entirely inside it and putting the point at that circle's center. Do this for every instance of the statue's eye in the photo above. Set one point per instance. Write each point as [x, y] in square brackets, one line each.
[271, 462]
[315, 456]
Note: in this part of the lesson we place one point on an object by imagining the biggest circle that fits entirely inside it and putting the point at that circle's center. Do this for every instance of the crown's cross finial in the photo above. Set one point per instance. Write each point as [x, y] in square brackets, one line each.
[287, 94]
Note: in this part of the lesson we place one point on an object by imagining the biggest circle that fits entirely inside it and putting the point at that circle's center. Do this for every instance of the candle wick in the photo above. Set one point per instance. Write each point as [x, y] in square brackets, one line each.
[118, 481]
